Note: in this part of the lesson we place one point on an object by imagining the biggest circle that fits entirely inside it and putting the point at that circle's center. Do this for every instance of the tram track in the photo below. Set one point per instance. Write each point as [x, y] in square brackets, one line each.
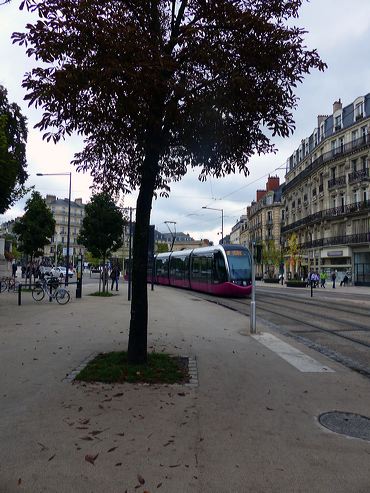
[352, 352]
[343, 308]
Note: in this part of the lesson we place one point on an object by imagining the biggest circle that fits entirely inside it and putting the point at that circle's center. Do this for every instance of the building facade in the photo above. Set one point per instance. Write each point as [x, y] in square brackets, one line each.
[262, 227]
[59, 209]
[326, 195]
[237, 229]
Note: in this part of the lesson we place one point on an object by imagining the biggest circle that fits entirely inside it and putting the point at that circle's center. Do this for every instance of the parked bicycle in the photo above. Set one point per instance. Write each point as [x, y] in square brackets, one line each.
[8, 284]
[51, 288]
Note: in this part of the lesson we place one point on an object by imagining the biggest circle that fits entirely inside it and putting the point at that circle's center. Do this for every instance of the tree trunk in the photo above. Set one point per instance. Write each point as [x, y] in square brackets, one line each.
[137, 345]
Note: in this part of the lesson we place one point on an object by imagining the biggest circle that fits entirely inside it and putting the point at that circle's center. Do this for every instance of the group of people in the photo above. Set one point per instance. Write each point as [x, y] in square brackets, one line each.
[314, 278]
[113, 275]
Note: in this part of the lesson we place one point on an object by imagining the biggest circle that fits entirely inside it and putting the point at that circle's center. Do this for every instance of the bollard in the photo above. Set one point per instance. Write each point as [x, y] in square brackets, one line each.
[20, 294]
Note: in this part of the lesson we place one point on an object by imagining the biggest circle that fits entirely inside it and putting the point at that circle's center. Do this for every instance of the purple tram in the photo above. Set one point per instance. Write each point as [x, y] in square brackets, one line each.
[222, 270]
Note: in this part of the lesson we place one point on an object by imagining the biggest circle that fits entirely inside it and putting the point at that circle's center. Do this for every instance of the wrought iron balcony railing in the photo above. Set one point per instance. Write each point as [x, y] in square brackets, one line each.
[360, 175]
[339, 181]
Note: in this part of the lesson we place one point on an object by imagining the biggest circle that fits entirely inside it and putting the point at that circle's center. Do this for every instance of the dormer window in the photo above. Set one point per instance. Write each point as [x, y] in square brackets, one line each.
[359, 111]
[338, 123]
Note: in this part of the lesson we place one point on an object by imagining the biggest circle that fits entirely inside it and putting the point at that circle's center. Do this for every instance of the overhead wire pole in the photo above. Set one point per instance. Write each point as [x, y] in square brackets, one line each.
[173, 234]
[252, 315]
[222, 220]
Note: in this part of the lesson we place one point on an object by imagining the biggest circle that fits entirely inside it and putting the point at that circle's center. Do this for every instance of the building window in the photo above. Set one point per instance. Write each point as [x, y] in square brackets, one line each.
[354, 165]
[364, 195]
[354, 135]
[355, 196]
[359, 110]
[338, 122]
[364, 162]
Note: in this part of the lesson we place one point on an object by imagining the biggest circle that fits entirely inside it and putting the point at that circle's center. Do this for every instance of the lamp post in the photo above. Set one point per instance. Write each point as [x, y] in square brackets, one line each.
[222, 220]
[69, 216]
[173, 234]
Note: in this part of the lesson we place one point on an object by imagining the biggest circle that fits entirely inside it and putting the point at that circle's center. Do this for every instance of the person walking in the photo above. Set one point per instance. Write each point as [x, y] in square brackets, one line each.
[333, 277]
[344, 281]
[114, 275]
[14, 268]
[323, 277]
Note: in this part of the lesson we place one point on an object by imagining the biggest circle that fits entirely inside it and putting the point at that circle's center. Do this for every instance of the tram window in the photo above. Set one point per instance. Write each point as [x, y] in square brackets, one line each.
[195, 274]
[219, 268]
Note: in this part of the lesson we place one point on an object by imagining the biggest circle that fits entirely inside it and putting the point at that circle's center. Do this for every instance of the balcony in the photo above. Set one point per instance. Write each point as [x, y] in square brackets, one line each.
[340, 181]
[334, 212]
[360, 175]
[355, 239]
[348, 148]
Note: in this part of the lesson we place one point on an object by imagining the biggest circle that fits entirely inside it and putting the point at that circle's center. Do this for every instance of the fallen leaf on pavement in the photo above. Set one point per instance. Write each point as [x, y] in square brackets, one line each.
[111, 449]
[51, 458]
[91, 458]
[140, 479]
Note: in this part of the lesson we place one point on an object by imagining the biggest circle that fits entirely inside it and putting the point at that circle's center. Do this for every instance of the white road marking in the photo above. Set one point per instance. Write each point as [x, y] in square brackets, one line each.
[292, 355]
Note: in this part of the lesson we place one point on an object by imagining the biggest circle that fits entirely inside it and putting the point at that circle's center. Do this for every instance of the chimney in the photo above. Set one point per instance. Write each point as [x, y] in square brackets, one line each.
[337, 105]
[260, 194]
[273, 183]
[320, 119]
[78, 201]
[50, 198]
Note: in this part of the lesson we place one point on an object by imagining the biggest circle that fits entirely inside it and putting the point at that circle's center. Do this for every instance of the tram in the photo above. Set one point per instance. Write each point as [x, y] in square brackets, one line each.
[222, 270]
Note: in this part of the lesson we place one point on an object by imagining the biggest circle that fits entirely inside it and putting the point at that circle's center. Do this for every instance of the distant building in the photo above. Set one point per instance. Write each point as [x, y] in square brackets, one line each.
[263, 226]
[236, 231]
[182, 241]
[59, 209]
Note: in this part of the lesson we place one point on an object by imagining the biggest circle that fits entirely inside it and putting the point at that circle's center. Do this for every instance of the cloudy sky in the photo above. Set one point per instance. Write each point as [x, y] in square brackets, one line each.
[341, 33]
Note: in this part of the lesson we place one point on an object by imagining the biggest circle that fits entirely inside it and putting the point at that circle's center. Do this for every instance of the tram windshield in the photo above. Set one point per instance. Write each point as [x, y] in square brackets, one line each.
[239, 265]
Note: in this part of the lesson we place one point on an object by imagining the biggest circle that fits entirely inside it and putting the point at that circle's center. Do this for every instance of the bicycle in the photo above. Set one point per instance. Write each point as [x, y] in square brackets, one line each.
[8, 284]
[60, 294]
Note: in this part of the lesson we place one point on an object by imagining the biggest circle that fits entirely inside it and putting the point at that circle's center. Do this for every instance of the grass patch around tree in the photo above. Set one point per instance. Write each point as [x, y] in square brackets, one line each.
[114, 368]
[106, 294]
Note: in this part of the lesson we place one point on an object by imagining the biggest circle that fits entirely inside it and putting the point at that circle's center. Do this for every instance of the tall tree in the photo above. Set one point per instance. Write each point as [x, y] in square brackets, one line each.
[35, 228]
[13, 138]
[102, 227]
[157, 86]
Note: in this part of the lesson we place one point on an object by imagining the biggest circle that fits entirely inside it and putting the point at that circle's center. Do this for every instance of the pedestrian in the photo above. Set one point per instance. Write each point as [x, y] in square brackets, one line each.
[323, 277]
[14, 268]
[333, 277]
[114, 275]
[344, 281]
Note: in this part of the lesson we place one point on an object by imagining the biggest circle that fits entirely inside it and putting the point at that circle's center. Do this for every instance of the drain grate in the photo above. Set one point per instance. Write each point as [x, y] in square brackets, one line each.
[349, 424]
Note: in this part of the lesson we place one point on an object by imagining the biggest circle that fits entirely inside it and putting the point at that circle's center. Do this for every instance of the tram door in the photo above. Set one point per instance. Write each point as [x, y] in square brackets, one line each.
[219, 268]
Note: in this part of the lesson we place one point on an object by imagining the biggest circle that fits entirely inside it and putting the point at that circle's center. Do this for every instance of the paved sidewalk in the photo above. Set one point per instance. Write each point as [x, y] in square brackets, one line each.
[250, 426]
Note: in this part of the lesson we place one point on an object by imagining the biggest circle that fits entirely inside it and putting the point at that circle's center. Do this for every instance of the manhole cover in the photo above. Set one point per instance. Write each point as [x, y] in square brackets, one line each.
[352, 425]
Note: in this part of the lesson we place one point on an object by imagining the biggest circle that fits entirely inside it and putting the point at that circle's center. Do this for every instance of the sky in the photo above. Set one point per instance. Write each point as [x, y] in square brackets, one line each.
[338, 30]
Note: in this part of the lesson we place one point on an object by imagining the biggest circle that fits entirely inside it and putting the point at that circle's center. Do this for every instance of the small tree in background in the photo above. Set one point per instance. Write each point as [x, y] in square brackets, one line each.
[102, 228]
[13, 138]
[35, 228]
[162, 247]
[294, 252]
[271, 256]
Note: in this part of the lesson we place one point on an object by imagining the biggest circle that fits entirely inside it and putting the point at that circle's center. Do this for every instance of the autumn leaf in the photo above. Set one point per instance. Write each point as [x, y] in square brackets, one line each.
[91, 458]
[111, 449]
[140, 479]
[51, 458]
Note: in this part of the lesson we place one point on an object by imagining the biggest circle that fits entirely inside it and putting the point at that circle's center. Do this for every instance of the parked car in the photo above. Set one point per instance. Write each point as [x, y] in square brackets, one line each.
[45, 270]
[61, 272]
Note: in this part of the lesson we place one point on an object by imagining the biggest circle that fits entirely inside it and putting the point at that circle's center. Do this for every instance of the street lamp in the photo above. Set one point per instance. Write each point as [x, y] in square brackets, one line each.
[69, 216]
[222, 220]
[173, 234]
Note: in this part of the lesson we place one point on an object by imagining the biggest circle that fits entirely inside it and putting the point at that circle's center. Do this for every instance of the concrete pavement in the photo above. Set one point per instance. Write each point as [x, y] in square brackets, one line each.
[250, 426]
